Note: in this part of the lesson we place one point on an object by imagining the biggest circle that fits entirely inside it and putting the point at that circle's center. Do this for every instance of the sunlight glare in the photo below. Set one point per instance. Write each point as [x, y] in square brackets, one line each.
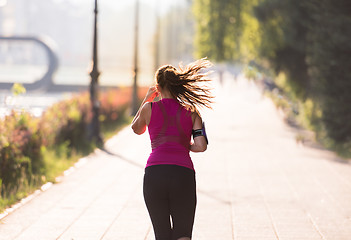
[3, 3]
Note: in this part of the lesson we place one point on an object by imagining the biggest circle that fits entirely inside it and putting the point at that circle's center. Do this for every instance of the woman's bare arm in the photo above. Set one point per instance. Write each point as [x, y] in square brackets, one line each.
[199, 144]
[142, 118]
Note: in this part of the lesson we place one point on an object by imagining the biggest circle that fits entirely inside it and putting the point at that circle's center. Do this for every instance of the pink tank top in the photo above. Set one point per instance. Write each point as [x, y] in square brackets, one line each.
[170, 133]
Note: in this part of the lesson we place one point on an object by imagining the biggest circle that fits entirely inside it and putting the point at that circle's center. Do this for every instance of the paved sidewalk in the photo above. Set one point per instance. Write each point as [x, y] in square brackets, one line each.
[255, 182]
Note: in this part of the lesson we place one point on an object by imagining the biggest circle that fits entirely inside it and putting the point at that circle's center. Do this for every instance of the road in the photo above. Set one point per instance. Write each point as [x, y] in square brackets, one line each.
[254, 182]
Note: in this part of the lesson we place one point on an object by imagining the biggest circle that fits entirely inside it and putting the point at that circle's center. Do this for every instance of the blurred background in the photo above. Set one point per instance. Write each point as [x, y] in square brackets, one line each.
[298, 52]
[68, 26]
[164, 35]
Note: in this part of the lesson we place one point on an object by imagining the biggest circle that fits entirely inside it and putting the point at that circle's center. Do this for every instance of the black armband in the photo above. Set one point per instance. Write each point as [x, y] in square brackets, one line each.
[200, 132]
[197, 133]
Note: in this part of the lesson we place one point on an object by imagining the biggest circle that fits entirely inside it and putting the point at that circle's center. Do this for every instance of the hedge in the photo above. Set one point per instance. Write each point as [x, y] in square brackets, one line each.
[24, 139]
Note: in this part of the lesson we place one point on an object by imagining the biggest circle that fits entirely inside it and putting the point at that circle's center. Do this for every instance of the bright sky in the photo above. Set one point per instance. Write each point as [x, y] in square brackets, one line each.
[3, 3]
[162, 5]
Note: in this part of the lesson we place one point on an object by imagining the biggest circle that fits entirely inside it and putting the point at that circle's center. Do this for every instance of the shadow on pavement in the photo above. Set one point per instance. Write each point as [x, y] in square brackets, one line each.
[211, 196]
[122, 158]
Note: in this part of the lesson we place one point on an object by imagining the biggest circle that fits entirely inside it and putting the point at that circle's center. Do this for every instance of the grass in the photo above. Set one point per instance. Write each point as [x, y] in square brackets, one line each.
[61, 158]
[110, 129]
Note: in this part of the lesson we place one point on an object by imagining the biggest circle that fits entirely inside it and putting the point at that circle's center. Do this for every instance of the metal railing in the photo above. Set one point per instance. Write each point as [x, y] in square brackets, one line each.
[46, 81]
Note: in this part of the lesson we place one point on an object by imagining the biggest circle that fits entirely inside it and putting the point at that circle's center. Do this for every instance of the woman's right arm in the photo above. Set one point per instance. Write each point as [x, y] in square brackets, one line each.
[199, 144]
[142, 117]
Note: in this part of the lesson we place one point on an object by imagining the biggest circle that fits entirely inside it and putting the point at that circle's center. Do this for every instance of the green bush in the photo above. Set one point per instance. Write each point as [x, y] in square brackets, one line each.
[66, 122]
[309, 41]
[27, 143]
[329, 61]
[20, 157]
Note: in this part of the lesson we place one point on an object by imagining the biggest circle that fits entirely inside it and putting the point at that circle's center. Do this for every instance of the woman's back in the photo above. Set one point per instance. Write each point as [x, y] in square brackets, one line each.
[170, 133]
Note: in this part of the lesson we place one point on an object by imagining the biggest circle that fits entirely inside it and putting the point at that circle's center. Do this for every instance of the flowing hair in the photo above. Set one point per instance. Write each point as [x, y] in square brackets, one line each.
[185, 84]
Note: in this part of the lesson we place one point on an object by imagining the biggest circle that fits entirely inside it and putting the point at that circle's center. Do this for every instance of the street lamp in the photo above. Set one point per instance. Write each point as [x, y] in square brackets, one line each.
[136, 40]
[157, 38]
[3, 3]
[94, 128]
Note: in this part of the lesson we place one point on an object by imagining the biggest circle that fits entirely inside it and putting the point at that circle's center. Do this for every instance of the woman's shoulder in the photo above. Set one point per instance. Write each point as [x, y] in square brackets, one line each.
[147, 105]
[146, 109]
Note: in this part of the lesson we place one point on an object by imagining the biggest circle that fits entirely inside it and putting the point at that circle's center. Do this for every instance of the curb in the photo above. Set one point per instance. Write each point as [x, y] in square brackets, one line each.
[81, 162]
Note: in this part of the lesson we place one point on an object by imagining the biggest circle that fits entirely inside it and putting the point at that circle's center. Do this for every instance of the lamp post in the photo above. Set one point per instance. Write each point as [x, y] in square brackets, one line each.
[136, 42]
[3, 3]
[157, 38]
[94, 128]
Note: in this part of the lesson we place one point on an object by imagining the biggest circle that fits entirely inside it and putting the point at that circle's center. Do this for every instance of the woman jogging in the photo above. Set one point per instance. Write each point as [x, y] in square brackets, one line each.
[169, 180]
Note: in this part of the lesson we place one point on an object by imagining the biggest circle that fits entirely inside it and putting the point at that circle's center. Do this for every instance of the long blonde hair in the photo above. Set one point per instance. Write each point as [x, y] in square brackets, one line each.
[185, 84]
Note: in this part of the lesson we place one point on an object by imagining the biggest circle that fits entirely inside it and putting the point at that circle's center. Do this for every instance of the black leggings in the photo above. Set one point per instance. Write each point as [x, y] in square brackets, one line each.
[170, 191]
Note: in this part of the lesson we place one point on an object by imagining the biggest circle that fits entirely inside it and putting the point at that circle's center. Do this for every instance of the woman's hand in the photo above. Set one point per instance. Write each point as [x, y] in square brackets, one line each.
[151, 94]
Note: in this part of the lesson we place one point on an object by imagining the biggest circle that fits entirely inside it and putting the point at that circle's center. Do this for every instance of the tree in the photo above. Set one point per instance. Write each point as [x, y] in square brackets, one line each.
[283, 40]
[309, 41]
[329, 51]
[218, 25]
[176, 33]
